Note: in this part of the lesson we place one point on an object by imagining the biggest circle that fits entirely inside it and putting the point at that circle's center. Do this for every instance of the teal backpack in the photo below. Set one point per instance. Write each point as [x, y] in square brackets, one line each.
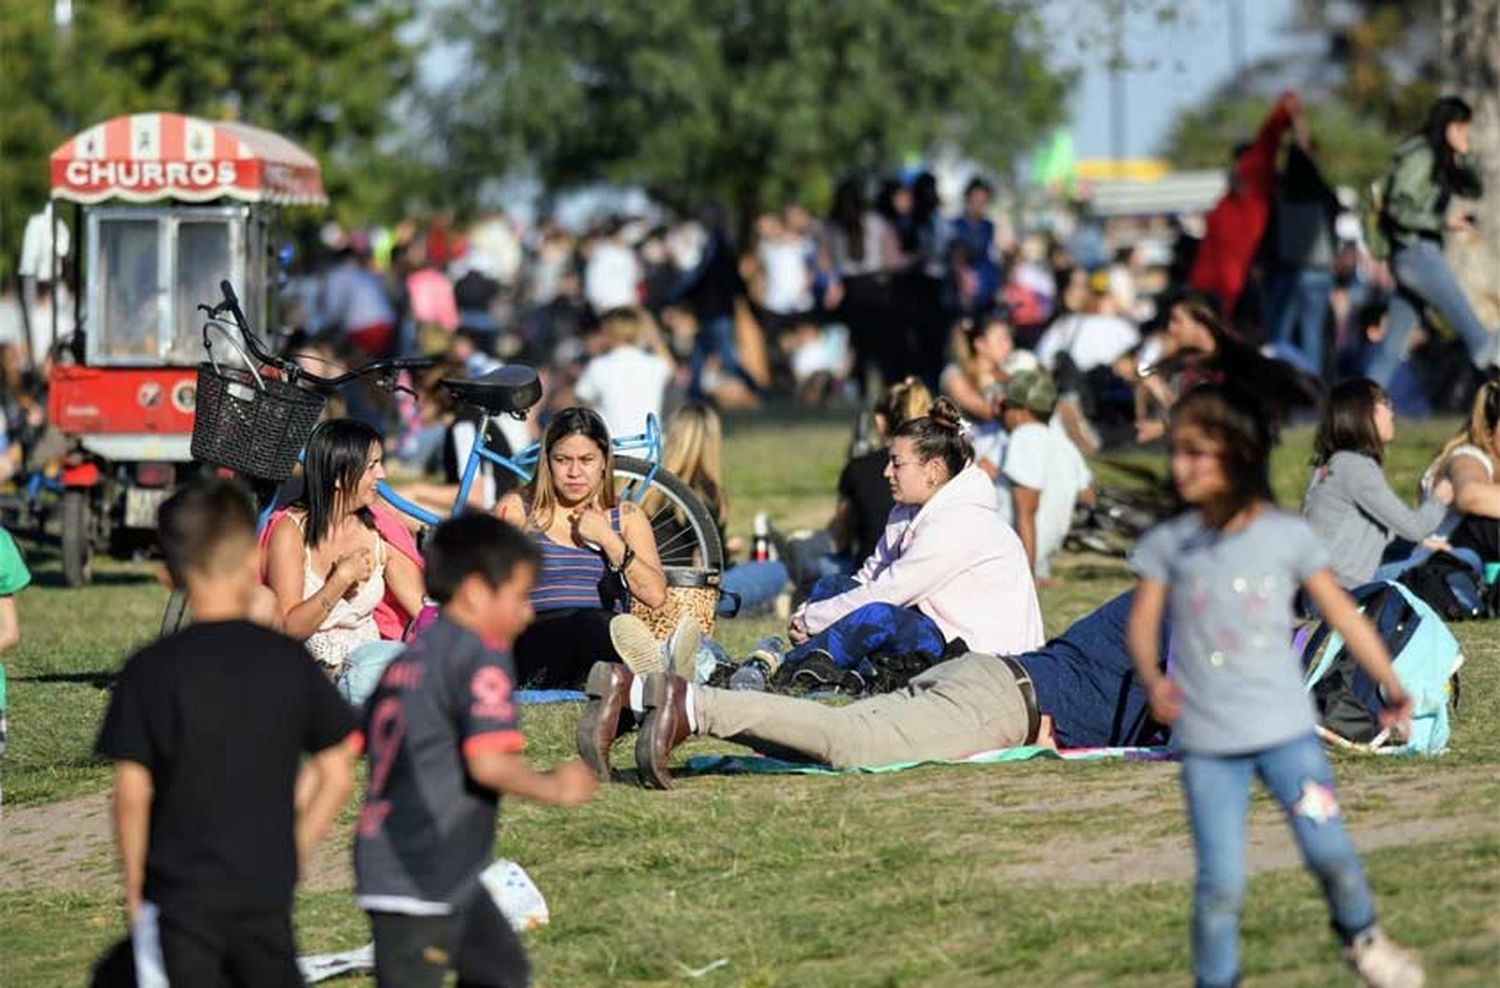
[1426, 658]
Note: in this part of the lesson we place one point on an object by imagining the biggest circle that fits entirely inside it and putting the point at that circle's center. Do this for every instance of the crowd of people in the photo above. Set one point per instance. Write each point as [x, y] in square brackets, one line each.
[1001, 369]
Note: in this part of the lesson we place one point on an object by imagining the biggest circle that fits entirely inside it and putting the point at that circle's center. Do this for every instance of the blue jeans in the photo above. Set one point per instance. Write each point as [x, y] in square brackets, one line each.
[869, 629]
[1394, 569]
[715, 338]
[1298, 299]
[756, 583]
[1217, 788]
[1423, 277]
[363, 668]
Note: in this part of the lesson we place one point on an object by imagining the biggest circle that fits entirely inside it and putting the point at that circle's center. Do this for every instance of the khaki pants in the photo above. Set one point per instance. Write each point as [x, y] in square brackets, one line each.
[953, 710]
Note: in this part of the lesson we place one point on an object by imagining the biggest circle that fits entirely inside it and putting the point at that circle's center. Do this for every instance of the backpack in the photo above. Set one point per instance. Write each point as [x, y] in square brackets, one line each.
[1372, 217]
[1452, 588]
[1426, 658]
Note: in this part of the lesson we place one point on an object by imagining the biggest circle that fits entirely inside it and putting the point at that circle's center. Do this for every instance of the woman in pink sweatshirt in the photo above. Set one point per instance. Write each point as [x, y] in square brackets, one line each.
[947, 567]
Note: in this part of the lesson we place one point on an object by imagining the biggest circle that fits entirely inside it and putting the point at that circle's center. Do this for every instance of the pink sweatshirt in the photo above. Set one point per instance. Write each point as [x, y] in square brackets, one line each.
[958, 562]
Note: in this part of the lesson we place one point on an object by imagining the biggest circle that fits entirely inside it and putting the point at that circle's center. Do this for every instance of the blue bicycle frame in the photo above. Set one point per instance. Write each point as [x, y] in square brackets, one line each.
[523, 465]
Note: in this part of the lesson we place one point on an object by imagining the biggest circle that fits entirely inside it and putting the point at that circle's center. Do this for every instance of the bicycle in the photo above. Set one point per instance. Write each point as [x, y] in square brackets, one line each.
[691, 534]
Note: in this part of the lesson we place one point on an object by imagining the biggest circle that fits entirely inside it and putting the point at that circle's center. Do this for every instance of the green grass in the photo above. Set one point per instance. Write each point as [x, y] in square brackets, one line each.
[1045, 874]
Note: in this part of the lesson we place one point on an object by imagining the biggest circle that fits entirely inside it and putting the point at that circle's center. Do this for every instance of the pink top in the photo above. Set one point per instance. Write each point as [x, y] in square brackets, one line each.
[431, 296]
[955, 560]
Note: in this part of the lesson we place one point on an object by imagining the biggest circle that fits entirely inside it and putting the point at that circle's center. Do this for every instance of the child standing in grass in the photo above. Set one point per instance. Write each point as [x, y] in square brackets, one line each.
[207, 729]
[1229, 568]
[444, 742]
[14, 577]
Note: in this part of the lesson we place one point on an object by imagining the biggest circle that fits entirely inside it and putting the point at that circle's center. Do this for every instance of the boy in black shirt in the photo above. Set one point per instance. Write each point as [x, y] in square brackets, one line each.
[207, 729]
[442, 737]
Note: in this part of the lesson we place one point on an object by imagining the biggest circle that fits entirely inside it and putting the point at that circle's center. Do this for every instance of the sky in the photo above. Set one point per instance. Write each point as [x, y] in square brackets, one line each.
[1174, 66]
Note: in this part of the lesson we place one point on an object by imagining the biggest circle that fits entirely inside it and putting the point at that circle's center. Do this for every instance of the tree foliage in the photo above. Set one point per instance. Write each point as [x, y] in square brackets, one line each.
[321, 72]
[1368, 88]
[1350, 149]
[746, 102]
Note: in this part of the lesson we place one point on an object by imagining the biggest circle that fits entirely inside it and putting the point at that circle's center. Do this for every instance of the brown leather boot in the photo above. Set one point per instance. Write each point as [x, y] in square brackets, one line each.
[664, 728]
[608, 689]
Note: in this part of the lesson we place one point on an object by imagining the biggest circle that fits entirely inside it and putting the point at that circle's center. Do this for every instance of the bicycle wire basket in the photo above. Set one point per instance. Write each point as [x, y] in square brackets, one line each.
[250, 423]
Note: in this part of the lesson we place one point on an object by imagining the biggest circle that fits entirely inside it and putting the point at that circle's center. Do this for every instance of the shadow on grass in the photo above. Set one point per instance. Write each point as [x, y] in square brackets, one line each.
[99, 680]
[1093, 573]
[113, 578]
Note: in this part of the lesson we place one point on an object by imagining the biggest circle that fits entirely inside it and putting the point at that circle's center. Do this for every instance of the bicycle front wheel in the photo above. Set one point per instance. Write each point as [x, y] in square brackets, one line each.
[686, 534]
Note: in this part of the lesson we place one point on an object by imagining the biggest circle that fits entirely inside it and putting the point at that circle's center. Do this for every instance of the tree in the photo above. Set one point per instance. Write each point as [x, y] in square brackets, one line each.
[745, 102]
[1351, 149]
[321, 72]
[1471, 50]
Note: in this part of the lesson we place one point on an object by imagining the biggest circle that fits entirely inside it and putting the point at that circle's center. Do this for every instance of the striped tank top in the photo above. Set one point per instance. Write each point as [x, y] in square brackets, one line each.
[570, 576]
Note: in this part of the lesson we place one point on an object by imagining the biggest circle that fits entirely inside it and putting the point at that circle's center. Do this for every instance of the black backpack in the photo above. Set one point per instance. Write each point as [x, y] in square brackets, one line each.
[1451, 587]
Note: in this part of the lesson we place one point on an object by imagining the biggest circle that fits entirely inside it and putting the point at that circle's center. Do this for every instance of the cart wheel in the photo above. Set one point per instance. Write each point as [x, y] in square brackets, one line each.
[77, 542]
[176, 614]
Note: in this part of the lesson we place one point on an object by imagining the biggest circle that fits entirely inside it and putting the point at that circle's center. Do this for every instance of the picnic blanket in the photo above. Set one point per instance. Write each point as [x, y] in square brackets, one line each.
[764, 765]
[537, 697]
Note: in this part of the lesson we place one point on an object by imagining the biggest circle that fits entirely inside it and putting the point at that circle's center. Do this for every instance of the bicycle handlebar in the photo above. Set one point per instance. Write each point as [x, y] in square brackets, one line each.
[293, 371]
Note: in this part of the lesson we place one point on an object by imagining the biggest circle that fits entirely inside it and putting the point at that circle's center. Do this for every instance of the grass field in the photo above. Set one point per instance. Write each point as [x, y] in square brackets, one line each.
[1025, 874]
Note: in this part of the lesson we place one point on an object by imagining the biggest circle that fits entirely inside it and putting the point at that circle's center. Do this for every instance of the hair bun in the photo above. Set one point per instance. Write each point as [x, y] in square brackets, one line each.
[946, 415]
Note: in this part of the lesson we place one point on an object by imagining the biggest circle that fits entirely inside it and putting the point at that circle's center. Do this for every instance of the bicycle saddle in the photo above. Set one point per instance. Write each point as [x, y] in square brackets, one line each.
[509, 390]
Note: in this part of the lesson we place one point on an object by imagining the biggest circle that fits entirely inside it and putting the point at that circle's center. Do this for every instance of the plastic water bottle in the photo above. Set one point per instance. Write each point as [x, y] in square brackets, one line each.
[760, 541]
[751, 675]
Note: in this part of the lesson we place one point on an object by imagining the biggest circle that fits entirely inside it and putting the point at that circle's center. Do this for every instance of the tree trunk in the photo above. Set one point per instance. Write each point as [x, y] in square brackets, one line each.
[1471, 69]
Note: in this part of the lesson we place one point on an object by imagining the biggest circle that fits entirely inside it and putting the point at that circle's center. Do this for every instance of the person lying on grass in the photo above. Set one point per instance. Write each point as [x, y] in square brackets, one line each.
[1076, 691]
[207, 729]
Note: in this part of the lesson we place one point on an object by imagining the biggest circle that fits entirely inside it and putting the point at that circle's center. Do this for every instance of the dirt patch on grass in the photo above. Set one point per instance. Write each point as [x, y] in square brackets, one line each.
[62, 846]
[1101, 830]
[1416, 816]
[68, 846]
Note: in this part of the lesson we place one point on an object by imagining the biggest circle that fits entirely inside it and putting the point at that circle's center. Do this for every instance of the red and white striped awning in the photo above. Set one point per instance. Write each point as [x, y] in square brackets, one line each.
[148, 157]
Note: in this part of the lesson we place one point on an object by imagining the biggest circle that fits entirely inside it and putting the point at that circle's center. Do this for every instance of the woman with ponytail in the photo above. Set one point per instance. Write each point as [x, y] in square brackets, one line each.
[948, 566]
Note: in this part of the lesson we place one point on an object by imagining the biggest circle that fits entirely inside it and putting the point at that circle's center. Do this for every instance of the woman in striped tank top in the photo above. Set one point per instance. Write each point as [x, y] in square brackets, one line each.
[584, 535]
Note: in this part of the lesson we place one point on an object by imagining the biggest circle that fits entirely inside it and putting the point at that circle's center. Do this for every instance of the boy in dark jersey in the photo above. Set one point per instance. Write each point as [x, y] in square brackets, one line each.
[443, 736]
[207, 729]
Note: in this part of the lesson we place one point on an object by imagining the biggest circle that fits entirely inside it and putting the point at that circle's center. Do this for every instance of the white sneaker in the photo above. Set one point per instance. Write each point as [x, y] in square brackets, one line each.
[681, 650]
[1381, 963]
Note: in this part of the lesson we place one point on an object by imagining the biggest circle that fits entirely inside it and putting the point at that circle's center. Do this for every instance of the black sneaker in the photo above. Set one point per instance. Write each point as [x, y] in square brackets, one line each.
[818, 671]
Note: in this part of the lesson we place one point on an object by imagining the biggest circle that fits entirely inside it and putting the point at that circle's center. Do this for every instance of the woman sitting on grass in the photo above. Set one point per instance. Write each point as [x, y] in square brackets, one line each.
[1348, 502]
[980, 349]
[592, 546]
[333, 564]
[694, 453]
[1468, 461]
[947, 567]
[1199, 348]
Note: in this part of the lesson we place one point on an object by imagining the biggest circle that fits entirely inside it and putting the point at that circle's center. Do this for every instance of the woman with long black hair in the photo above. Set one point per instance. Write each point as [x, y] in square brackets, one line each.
[1432, 167]
[330, 566]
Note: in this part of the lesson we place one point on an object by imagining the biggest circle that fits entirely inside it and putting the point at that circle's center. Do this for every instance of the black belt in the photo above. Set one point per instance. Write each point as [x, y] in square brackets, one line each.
[1028, 696]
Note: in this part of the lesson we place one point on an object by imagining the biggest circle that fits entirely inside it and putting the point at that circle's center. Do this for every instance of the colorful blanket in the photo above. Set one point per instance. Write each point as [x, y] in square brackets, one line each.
[762, 765]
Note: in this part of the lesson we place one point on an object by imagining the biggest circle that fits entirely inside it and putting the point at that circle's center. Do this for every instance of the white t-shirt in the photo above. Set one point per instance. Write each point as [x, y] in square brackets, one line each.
[1091, 340]
[1046, 460]
[611, 276]
[788, 280]
[989, 440]
[624, 386]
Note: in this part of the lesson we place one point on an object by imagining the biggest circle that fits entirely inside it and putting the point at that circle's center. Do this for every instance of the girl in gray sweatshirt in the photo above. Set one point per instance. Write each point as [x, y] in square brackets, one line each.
[1348, 502]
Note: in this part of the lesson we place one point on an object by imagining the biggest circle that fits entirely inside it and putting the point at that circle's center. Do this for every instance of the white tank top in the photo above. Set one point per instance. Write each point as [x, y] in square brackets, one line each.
[350, 623]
